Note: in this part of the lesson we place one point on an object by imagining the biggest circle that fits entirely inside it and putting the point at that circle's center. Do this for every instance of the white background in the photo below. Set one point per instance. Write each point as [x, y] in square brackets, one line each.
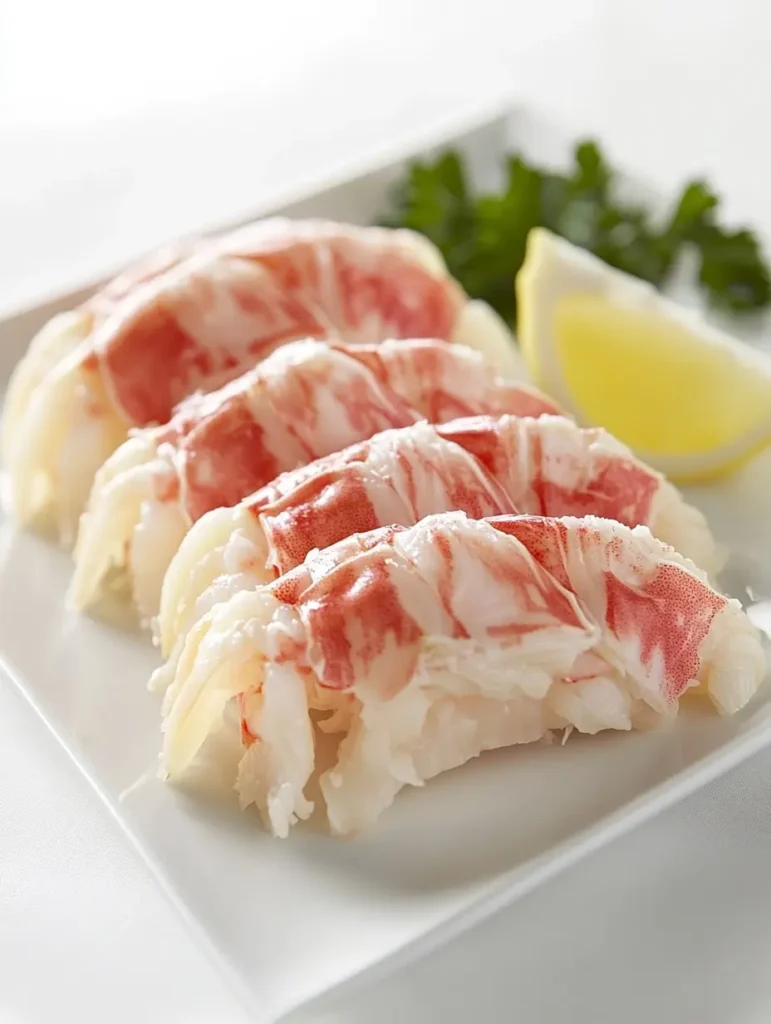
[99, 103]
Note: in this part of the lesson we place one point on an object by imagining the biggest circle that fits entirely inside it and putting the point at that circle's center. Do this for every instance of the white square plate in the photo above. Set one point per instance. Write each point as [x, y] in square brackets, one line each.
[292, 921]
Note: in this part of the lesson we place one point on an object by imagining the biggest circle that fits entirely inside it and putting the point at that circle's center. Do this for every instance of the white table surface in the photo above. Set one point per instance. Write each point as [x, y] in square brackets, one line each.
[672, 923]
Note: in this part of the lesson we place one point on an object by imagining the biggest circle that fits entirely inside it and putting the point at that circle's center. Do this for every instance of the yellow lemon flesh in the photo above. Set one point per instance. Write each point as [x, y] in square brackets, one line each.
[686, 397]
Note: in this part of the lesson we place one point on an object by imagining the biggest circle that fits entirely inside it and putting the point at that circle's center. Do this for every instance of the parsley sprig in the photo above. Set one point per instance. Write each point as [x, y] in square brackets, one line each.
[482, 236]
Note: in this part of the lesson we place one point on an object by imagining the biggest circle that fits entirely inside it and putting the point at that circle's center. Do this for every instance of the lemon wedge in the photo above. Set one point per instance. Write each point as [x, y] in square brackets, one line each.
[614, 352]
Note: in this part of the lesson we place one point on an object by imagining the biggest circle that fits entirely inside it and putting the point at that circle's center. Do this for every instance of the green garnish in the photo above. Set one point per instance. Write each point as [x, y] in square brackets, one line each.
[482, 236]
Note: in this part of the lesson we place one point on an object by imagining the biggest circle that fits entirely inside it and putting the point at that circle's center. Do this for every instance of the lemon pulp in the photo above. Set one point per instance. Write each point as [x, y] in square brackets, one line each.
[652, 382]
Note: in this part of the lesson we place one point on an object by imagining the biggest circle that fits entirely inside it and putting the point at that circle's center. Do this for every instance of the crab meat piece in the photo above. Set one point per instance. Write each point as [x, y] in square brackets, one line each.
[440, 641]
[305, 400]
[197, 316]
[546, 466]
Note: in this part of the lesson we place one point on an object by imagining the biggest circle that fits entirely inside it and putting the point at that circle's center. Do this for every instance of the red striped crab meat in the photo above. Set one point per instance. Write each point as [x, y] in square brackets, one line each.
[307, 399]
[420, 648]
[546, 466]
[197, 316]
